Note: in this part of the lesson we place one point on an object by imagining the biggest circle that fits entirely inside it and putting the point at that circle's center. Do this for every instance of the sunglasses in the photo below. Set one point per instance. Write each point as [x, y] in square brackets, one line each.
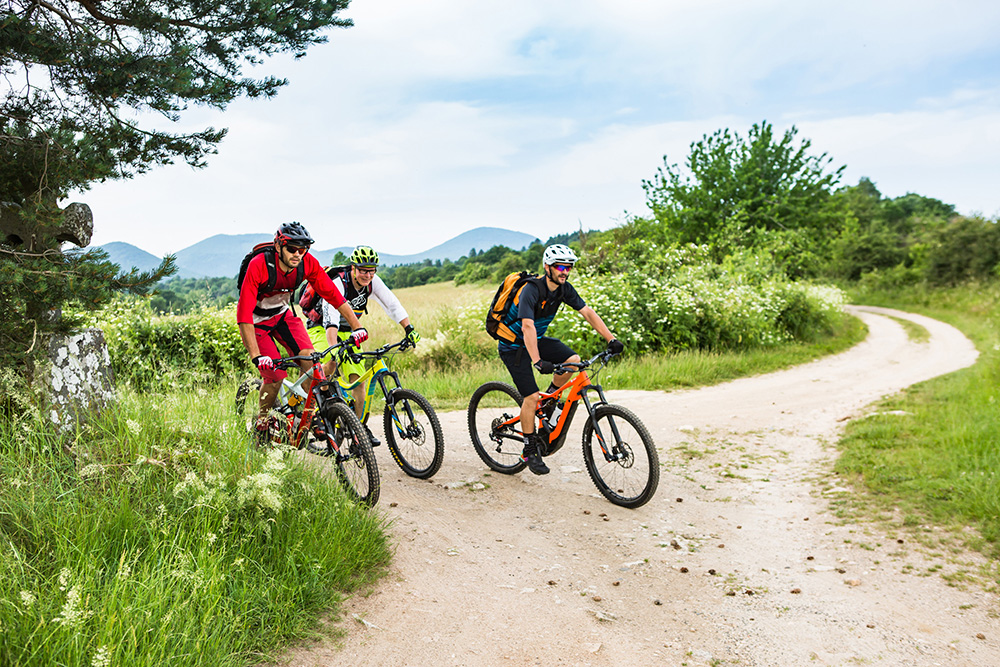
[562, 267]
[367, 272]
[296, 250]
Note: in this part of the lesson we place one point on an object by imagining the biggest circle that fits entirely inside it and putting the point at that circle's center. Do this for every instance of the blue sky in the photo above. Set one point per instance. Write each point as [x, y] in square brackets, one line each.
[427, 119]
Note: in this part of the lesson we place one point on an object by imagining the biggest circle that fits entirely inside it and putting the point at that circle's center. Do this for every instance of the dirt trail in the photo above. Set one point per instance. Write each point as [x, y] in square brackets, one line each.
[739, 558]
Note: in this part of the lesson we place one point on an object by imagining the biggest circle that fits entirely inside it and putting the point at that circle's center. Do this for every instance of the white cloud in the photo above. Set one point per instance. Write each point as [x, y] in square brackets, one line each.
[427, 119]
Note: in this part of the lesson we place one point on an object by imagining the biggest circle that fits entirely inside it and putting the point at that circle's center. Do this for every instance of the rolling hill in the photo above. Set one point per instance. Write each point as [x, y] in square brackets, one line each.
[220, 255]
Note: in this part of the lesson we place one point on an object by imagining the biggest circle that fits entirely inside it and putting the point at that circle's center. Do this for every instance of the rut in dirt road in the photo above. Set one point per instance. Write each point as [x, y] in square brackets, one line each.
[737, 560]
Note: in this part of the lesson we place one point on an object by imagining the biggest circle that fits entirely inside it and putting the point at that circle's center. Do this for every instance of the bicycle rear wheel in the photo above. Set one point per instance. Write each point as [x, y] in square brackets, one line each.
[499, 446]
[630, 478]
[348, 445]
[413, 433]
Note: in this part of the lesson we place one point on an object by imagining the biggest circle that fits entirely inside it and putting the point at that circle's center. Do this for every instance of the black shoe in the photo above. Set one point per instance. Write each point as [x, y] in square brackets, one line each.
[371, 436]
[532, 458]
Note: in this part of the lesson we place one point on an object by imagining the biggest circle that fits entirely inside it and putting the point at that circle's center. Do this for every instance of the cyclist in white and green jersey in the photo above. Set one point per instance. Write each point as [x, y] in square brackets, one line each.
[358, 283]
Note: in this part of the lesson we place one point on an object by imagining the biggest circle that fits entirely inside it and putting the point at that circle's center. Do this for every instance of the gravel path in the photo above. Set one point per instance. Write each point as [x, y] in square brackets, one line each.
[739, 559]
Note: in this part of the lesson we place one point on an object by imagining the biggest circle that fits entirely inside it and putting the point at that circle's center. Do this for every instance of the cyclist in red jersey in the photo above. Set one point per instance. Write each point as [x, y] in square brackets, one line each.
[263, 313]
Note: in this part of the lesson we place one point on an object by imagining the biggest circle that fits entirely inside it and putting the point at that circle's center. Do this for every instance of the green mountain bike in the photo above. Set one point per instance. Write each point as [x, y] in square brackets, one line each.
[412, 430]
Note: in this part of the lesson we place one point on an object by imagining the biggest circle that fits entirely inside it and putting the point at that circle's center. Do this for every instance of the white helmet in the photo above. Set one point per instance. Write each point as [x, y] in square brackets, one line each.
[559, 254]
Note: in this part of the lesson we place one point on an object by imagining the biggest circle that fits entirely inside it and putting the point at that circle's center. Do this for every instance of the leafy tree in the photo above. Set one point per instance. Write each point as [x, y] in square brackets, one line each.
[86, 82]
[762, 191]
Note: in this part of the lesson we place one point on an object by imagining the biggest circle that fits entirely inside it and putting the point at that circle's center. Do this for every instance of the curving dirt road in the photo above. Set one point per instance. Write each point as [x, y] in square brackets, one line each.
[739, 559]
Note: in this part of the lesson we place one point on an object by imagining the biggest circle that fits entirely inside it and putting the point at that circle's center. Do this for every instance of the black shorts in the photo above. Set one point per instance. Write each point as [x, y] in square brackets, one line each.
[518, 362]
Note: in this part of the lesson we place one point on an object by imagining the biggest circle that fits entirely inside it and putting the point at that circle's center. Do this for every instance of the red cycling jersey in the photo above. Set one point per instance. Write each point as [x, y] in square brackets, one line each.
[272, 304]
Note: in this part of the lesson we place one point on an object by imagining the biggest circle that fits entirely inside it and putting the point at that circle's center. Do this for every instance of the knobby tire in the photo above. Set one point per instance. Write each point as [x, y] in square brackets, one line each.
[356, 467]
[632, 481]
[492, 403]
[410, 440]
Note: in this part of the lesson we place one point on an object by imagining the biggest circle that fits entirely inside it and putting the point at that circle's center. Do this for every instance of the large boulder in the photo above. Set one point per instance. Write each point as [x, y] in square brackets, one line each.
[79, 381]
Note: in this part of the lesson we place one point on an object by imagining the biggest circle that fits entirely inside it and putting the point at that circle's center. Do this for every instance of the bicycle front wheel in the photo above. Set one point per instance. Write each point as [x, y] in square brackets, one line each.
[497, 441]
[629, 472]
[349, 446]
[248, 392]
[413, 433]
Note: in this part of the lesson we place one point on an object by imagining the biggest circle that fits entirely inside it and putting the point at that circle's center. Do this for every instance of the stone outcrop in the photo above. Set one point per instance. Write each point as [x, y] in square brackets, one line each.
[78, 383]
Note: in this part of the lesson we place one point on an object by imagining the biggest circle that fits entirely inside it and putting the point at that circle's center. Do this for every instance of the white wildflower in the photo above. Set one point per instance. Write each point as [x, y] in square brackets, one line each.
[92, 470]
[72, 613]
[134, 427]
[28, 599]
[102, 658]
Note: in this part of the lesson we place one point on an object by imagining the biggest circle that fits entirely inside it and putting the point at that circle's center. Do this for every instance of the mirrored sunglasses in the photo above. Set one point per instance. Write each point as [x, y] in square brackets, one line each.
[296, 250]
[562, 267]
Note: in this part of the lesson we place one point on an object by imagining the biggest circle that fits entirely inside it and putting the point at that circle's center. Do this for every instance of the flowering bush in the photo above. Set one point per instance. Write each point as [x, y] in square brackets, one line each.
[680, 302]
[653, 298]
[144, 345]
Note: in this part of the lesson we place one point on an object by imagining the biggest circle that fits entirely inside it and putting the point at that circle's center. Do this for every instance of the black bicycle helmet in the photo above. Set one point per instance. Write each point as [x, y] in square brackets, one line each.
[293, 233]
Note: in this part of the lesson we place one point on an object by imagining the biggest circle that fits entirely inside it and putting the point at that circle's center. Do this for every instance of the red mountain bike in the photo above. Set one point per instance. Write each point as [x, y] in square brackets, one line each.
[309, 413]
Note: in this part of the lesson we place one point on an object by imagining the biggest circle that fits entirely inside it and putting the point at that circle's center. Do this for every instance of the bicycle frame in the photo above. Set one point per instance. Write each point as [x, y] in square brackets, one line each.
[374, 377]
[292, 394]
[378, 374]
[577, 389]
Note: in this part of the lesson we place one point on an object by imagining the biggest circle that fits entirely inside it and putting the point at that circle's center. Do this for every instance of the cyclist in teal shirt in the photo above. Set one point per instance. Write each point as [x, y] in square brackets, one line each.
[529, 319]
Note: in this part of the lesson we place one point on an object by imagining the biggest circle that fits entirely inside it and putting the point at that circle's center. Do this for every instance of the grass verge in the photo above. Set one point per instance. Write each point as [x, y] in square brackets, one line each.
[165, 540]
[937, 459]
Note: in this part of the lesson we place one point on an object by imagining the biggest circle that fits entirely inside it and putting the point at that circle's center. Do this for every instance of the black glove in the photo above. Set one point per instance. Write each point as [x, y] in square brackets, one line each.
[412, 335]
[545, 367]
[615, 346]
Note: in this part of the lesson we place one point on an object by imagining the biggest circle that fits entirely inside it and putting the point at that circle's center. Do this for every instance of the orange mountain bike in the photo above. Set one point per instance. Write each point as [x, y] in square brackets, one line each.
[617, 449]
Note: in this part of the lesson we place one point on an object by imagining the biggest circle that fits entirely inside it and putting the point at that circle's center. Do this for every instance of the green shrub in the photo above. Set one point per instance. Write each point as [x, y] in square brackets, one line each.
[147, 348]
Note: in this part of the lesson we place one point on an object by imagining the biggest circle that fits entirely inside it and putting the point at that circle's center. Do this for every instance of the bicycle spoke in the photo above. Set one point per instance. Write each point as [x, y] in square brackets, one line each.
[495, 427]
[413, 433]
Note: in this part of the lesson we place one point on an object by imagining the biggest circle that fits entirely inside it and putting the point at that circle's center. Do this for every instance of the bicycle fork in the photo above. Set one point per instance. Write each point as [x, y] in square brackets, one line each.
[613, 453]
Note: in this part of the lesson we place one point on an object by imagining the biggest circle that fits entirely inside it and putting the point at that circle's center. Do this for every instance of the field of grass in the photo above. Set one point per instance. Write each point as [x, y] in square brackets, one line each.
[165, 539]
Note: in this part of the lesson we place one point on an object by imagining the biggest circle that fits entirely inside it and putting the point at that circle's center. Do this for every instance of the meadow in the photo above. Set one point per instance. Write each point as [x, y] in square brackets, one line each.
[930, 456]
[156, 535]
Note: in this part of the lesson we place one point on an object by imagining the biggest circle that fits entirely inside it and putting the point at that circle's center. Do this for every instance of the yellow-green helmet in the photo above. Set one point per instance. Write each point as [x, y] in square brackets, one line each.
[364, 255]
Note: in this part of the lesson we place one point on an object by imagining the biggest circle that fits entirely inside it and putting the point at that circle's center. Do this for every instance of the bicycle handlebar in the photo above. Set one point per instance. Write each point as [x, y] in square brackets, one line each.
[379, 353]
[575, 366]
[284, 363]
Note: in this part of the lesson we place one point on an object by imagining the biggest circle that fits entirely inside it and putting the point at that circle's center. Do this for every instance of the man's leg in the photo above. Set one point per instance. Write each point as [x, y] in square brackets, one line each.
[519, 365]
[359, 407]
[268, 393]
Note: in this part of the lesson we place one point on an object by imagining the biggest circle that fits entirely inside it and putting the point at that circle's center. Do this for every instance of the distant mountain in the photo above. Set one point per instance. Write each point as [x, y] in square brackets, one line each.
[128, 256]
[220, 255]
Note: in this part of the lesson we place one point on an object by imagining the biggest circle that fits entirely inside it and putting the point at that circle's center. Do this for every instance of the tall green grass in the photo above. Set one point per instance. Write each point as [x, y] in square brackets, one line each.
[159, 537]
[940, 461]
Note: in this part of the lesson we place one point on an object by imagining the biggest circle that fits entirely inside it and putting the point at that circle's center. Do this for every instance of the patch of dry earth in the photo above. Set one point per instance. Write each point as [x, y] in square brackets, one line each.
[738, 559]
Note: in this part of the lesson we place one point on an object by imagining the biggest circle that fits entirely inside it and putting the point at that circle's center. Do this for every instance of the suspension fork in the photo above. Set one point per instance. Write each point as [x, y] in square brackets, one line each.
[609, 454]
[382, 376]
